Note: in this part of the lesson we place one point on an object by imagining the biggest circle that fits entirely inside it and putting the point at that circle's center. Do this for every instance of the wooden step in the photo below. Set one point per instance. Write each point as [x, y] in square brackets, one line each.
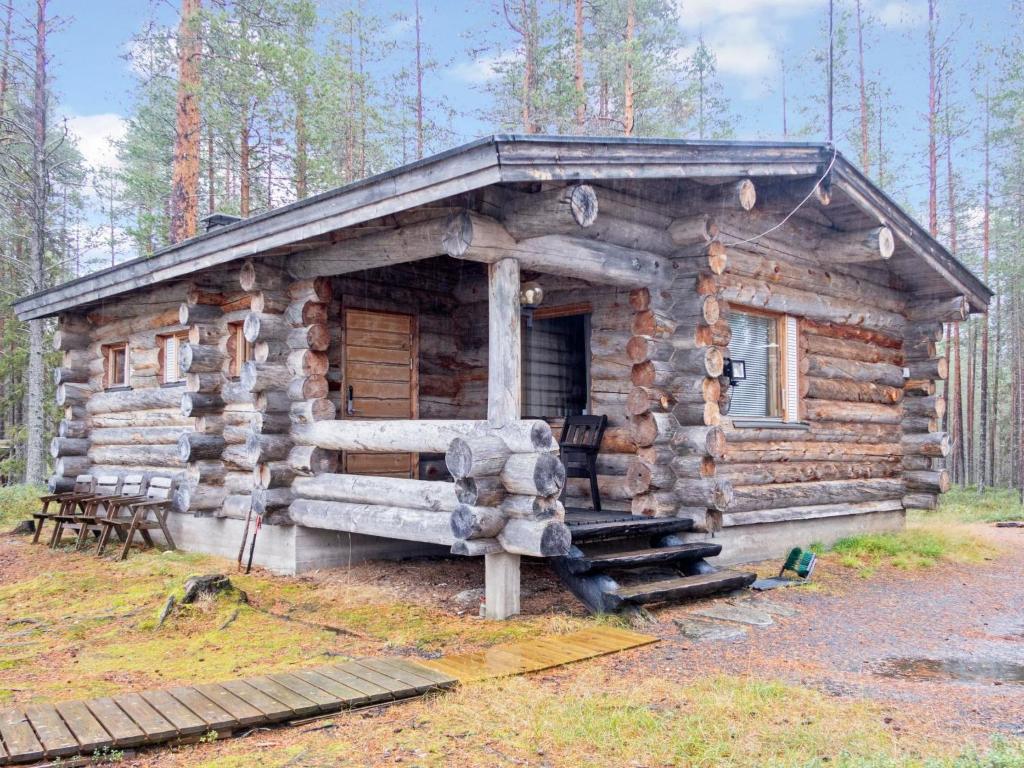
[682, 588]
[635, 558]
[623, 529]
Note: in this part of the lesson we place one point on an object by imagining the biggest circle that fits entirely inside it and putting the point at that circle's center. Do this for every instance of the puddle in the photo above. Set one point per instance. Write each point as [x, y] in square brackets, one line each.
[952, 669]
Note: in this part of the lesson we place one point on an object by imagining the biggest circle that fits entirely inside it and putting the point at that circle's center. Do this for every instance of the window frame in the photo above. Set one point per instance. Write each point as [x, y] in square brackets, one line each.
[240, 349]
[109, 351]
[180, 337]
[584, 312]
[787, 391]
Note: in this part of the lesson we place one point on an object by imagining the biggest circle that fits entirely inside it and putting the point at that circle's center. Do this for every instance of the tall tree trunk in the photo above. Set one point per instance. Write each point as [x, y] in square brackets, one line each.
[993, 458]
[185, 170]
[419, 84]
[244, 150]
[211, 173]
[5, 65]
[629, 109]
[956, 372]
[933, 109]
[301, 149]
[864, 155]
[831, 70]
[785, 106]
[881, 152]
[984, 460]
[529, 32]
[581, 96]
[35, 460]
[970, 454]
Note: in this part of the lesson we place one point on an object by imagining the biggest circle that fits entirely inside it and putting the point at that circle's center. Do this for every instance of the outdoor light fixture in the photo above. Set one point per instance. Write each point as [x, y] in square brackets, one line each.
[530, 297]
[735, 370]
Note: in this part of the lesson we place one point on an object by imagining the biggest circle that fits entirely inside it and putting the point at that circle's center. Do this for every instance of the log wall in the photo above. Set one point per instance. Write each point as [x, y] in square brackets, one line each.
[118, 430]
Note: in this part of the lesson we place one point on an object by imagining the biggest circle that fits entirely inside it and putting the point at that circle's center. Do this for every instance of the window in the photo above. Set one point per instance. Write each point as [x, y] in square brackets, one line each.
[555, 366]
[115, 365]
[239, 350]
[170, 357]
[767, 347]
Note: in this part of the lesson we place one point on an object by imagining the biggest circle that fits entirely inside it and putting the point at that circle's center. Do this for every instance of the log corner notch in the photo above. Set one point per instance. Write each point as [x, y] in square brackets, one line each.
[74, 388]
[925, 447]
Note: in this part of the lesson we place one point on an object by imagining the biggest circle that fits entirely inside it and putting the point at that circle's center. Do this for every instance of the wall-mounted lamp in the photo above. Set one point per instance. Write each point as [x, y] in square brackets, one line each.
[530, 297]
[735, 371]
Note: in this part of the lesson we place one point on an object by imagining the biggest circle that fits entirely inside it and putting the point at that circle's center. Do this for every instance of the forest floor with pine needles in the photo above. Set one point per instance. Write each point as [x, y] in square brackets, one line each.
[896, 654]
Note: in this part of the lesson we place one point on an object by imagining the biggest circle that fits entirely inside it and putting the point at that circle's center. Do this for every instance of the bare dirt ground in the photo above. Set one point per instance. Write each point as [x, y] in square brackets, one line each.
[843, 632]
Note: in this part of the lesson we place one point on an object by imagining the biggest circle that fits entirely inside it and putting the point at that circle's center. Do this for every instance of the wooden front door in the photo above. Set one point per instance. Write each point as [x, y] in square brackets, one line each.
[381, 371]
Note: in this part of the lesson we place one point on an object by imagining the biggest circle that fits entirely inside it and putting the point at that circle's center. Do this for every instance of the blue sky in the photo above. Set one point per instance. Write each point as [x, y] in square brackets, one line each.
[751, 38]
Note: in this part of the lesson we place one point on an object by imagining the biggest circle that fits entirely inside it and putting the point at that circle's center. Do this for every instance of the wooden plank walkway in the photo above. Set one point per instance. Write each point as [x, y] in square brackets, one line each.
[72, 728]
[537, 654]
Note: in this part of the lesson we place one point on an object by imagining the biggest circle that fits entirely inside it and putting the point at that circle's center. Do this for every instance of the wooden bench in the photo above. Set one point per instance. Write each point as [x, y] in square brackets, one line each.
[140, 515]
[83, 488]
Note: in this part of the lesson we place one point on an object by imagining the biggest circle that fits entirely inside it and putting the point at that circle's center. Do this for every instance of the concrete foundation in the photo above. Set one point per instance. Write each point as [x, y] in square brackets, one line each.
[290, 549]
[765, 541]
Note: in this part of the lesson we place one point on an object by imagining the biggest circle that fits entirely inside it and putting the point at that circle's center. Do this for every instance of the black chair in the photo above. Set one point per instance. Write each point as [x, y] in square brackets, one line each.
[580, 443]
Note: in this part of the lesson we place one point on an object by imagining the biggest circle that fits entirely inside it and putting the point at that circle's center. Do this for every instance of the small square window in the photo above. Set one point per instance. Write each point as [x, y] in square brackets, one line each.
[115, 365]
[240, 350]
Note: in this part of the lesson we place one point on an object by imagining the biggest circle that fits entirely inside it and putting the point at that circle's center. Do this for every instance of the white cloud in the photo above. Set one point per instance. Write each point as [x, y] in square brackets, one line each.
[696, 13]
[94, 136]
[482, 70]
[902, 13]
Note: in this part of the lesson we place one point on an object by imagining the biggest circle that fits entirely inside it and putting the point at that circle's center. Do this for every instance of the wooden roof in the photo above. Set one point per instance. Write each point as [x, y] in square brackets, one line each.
[922, 263]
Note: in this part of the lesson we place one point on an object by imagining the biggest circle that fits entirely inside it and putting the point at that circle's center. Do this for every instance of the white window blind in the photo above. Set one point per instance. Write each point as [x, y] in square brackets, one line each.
[755, 342]
[171, 372]
[792, 394]
[769, 348]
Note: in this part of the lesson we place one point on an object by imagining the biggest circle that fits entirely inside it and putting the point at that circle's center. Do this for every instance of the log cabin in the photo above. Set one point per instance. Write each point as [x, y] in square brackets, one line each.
[383, 369]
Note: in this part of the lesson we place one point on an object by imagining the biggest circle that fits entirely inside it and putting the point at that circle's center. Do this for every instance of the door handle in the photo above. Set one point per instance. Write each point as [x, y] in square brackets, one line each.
[350, 407]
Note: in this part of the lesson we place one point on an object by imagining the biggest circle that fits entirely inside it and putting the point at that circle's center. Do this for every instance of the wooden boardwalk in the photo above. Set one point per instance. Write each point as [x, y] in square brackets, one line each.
[48, 731]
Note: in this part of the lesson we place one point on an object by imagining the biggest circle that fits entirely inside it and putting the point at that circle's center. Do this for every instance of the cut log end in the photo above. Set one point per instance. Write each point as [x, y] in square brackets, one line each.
[583, 204]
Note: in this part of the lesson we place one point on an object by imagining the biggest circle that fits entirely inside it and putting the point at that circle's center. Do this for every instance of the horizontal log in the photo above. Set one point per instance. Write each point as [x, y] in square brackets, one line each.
[532, 507]
[850, 391]
[310, 460]
[801, 450]
[929, 407]
[744, 291]
[476, 238]
[204, 383]
[136, 455]
[259, 377]
[272, 474]
[201, 358]
[952, 310]
[937, 368]
[762, 473]
[136, 435]
[316, 337]
[269, 500]
[533, 474]
[263, 448]
[935, 481]
[479, 491]
[476, 456]
[200, 498]
[260, 327]
[850, 349]
[710, 492]
[841, 410]
[699, 441]
[66, 341]
[314, 289]
[653, 428]
[305, 388]
[311, 411]
[201, 404]
[120, 401]
[561, 210]
[70, 376]
[749, 498]
[781, 514]
[476, 522]
[269, 302]
[68, 446]
[920, 501]
[536, 538]
[434, 436]
[933, 444]
[390, 491]
[826, 367]
[76, 429]
[73, 394]
[193, 446]
[406, 524]
[261, 275]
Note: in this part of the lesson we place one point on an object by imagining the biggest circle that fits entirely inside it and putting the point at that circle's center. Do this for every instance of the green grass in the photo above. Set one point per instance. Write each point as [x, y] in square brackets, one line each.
[969, 506]
[926, 542]
[17, 503]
